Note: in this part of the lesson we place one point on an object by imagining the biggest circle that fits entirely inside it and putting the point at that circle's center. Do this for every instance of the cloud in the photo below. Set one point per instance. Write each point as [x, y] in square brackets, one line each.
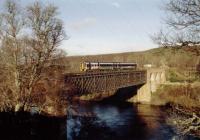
[116, 4]
[82, 24]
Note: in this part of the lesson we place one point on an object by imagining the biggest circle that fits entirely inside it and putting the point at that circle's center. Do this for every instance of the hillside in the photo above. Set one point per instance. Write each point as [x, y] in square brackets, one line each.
[169, 57]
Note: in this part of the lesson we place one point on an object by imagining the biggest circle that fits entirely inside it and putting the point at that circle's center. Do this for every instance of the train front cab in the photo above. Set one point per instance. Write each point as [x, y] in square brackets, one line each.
[83, 67]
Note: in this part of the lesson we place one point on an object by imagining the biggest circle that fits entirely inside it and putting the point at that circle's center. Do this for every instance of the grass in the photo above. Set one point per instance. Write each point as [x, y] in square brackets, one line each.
[173, 76]
[181, 75]
[184, 95]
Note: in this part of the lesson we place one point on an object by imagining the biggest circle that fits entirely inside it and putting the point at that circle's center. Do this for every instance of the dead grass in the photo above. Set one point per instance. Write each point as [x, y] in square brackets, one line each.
[184, 95]
[184, 106]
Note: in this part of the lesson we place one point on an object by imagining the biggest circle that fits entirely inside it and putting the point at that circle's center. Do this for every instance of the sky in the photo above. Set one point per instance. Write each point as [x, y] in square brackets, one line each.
[107, 26]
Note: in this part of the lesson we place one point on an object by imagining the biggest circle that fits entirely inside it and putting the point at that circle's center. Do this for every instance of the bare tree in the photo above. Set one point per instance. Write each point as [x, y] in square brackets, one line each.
[183, 20]
[182, 28]
[183, 32]
[184, 14]
[28, 42]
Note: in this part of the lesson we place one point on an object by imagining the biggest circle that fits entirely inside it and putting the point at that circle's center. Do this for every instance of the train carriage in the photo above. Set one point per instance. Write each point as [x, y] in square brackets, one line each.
[94, 66]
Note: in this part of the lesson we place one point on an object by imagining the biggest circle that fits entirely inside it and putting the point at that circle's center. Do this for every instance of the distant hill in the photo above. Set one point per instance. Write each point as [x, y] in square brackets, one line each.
[168, 57]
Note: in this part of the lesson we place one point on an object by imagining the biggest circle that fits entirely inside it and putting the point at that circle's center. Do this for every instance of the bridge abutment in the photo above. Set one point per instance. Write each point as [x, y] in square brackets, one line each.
[155, 77]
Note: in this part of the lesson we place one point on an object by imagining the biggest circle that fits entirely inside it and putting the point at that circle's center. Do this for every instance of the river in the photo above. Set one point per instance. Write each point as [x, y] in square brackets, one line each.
[94, 121]
[121, 122]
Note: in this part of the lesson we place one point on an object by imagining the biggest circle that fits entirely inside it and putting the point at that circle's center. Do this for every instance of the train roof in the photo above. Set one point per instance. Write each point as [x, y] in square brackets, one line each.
[111, 62]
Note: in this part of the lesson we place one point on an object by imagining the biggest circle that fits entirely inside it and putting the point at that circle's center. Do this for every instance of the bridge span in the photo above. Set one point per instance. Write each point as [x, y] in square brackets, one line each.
[105, 82]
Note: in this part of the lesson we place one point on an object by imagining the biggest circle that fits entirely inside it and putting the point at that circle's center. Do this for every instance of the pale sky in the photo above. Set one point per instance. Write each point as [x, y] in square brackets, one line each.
[108, 26]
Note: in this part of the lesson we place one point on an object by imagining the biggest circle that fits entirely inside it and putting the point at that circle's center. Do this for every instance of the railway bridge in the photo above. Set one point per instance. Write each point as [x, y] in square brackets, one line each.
[105, 83]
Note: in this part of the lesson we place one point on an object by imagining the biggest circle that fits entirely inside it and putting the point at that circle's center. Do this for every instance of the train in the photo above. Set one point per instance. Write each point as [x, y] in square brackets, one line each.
[95, 66]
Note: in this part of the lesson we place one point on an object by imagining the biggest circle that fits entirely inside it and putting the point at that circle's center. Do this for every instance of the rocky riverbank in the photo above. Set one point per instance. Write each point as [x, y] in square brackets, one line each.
[183, 101]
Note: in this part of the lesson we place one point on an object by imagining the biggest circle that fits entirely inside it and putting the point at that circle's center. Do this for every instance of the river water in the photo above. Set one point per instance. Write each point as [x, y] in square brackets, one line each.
[121, 122]
[95, 121]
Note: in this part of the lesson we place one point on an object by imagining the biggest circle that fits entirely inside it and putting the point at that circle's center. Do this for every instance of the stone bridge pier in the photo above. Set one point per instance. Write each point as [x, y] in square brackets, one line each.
[155, 77]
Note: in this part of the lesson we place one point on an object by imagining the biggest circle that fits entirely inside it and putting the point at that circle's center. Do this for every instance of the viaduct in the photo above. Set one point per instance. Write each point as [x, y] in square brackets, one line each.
[108, 82]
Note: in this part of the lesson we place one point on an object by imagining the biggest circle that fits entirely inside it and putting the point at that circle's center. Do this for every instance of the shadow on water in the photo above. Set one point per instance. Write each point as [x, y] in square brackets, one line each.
[24, 126]
[107, 122]
[123, 94]
[110, 123]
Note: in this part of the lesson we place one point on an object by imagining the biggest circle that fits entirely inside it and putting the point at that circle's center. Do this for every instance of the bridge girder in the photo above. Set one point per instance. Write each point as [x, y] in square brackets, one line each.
[90, 82]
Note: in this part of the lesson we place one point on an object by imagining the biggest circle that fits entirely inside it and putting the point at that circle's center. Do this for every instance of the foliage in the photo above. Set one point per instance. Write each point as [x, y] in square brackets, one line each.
[179, 75]
[29, 37]
[174, 77]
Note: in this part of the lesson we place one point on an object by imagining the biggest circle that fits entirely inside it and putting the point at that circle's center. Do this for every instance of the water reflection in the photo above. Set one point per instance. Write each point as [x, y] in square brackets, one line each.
[119, 122]
[104, 122]
[154, 118]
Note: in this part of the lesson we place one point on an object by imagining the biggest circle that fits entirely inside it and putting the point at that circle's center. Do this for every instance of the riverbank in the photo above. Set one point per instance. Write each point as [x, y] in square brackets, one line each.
[183, 101]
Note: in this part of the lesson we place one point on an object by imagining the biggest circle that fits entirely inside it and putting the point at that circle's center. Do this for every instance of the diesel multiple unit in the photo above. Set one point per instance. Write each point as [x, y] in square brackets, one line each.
[92, 66]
